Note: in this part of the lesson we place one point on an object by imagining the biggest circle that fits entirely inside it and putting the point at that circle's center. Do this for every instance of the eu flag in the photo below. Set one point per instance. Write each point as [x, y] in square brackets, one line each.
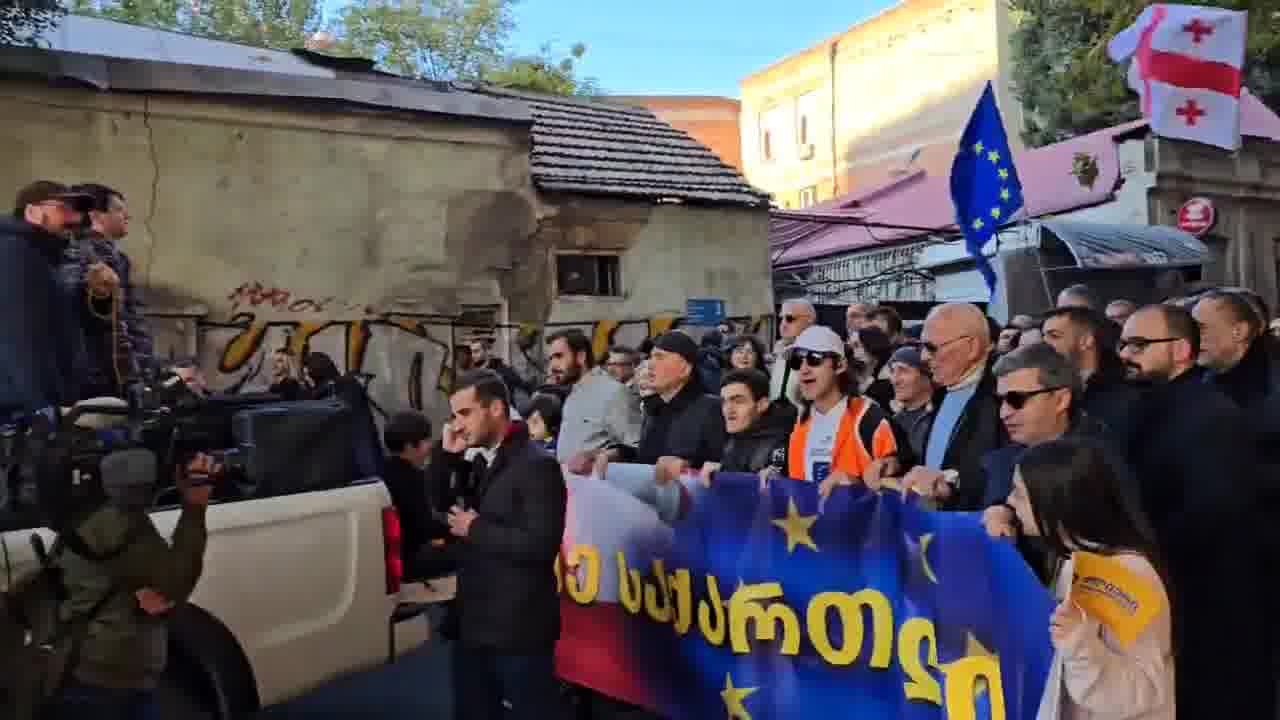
[984, 183]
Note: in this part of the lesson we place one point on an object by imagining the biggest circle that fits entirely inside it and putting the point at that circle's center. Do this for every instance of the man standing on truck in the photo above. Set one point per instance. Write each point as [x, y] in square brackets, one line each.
[507, 611]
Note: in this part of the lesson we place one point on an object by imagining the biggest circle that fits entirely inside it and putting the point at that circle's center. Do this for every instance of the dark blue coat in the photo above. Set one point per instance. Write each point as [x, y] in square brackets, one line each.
[42, 321]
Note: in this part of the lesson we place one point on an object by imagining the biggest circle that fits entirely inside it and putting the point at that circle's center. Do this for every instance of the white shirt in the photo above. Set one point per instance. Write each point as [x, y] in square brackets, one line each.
[820, 446]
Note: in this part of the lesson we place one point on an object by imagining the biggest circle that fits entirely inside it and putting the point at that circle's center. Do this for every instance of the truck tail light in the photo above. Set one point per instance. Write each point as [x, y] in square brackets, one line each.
[392, 541]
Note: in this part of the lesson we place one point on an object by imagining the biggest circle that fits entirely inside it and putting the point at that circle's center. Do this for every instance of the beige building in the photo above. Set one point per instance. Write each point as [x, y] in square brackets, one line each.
[290, 200]
[875, 102]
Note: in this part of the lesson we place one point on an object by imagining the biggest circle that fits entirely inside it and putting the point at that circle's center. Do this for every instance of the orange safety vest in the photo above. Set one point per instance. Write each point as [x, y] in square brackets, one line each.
[853, 451]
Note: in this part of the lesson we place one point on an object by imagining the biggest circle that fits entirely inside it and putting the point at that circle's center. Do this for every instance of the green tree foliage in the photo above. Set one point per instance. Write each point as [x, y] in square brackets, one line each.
[23, 21]
[544, 73]
[462, 40]
[282, 24]
[1068, 85]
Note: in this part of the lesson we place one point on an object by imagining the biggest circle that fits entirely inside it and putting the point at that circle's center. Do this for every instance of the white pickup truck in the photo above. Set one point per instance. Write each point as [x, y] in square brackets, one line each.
[297, 590]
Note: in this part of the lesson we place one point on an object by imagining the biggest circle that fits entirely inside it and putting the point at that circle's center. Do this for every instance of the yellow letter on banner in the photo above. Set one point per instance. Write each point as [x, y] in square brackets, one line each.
[587, 555]
[711, 620]
[920, 685]
[850, 609]
[558, 570]
[682, 592]
[630, 591]
[744, 606]
[657, 600]
[962, 685]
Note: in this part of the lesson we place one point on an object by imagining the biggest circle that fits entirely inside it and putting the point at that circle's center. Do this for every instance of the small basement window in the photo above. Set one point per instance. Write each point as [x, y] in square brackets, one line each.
[597, 275]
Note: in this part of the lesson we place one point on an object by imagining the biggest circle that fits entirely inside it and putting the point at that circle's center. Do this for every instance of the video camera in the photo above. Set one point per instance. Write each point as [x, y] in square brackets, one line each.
[123, 451]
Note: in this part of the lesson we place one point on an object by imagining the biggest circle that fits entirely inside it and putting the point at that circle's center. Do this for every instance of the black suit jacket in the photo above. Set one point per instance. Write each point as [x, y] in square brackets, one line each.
[1194, 456]
[507, 597]
[978, 432]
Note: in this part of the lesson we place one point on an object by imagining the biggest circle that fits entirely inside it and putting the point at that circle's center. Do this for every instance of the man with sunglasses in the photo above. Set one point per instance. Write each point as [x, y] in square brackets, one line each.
[957, 345]
[796, 317]
[1037, 388]
[1194, 458]
[41, 315]
[840, 435]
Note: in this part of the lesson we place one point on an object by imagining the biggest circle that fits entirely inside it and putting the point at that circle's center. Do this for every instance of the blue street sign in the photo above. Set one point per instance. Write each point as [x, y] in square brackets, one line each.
[704, 312]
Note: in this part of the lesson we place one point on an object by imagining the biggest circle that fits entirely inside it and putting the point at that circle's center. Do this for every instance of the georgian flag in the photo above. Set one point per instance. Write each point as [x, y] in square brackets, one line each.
[1187, 65]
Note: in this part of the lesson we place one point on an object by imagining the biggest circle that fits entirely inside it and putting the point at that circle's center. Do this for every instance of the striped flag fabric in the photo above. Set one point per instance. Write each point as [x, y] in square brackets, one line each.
[1186, 63]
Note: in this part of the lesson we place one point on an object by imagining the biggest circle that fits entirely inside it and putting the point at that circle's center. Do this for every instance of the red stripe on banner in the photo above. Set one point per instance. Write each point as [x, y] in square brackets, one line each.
[593, 652]
[1191, 73]
[1143, 55]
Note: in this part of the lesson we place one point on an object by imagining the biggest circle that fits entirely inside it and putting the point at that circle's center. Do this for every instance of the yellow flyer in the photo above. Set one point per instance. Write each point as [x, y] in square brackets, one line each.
[1115, 595]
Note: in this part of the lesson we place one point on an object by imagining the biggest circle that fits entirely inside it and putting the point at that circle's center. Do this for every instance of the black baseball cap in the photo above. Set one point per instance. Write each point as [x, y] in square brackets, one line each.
[678, 343]
[42, 191]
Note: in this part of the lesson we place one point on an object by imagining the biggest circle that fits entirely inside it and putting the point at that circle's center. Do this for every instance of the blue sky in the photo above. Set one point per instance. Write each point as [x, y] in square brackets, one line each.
[679, 47]
[683, 47]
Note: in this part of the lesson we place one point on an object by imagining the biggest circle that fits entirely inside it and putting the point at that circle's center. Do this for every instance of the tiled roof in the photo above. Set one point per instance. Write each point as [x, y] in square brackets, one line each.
[601, 148]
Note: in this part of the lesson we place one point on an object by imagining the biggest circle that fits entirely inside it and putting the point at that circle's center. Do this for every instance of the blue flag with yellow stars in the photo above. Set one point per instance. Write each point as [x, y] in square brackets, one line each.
[984, 183]
[779, 604]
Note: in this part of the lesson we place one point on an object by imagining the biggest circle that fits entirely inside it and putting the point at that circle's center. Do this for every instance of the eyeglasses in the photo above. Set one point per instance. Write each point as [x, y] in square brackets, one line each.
[1140, 344]
[1017, 399]
[812, 359]
[934, 349]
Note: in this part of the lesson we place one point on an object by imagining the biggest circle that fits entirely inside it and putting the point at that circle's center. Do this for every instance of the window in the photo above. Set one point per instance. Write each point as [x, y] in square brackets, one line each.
[804, 130]
[808, 196]
[598, 275]
[766, 145]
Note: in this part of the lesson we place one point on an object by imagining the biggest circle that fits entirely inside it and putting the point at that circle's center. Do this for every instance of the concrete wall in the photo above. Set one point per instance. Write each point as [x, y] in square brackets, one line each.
[1245, 190]
[255, 226]
[365, 235]
[904, 80]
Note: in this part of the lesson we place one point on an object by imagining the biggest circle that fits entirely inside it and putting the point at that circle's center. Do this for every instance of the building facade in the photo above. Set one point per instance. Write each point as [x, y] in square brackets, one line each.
[380, 220]
[884, 98]
[712, 121]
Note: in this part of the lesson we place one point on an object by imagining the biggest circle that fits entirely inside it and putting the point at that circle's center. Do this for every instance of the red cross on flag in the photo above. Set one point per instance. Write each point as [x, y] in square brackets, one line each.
[1186, 64]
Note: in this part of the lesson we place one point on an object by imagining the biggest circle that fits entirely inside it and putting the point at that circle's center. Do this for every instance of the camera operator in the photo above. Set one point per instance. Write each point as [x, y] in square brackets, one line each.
[43, 316]
[116, 552]
[510, 521]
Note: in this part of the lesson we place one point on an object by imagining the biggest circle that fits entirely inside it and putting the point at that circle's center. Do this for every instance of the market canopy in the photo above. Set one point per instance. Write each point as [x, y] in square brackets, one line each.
[1108, 246]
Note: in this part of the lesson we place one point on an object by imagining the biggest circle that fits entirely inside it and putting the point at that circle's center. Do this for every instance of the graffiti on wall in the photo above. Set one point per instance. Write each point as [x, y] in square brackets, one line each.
[411, 357]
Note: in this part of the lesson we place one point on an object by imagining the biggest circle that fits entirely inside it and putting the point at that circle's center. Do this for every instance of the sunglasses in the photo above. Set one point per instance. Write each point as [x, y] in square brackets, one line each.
[788, 318]
[935, 348]
[812, 359]
[1017, 399]
[1139, 344]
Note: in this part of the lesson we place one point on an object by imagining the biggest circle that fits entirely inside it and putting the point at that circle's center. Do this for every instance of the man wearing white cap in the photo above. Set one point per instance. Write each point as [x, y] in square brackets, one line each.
[840, 435]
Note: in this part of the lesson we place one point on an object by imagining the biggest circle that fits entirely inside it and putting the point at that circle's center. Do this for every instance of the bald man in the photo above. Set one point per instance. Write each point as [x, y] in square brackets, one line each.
[957, 345]
[795, 318]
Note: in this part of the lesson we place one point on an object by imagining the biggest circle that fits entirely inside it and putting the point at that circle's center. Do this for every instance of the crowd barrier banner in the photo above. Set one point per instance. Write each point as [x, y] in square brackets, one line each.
[772, 604]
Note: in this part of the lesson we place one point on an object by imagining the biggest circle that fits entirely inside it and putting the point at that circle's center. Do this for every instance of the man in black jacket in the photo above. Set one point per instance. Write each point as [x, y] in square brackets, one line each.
[758, 429]
[511, 525]
[1193, 455]
[42, 318]
[408, 440]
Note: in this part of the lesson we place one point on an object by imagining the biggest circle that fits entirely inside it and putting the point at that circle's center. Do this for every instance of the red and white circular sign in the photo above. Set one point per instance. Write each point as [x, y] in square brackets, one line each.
[1196, 216]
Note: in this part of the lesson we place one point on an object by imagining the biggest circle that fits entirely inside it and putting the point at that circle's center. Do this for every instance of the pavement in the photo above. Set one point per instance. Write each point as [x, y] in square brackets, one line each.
[415, 687]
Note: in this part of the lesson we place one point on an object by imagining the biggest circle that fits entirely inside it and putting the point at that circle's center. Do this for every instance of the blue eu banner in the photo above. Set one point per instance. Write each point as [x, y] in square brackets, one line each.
[984, 183]
[777, 604]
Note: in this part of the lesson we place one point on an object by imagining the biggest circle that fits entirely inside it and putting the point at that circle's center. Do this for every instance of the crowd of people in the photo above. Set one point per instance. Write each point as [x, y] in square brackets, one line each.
[1147, 433]
[1140, 432]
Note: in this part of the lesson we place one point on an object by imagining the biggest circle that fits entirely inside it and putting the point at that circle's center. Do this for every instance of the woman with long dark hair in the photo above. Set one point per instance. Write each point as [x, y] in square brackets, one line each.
[871, 349]
[746, 352]
[1071, 493]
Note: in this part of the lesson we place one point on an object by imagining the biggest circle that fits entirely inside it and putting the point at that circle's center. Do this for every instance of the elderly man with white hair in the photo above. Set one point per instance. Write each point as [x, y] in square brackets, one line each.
[957, 345]
[797, 316]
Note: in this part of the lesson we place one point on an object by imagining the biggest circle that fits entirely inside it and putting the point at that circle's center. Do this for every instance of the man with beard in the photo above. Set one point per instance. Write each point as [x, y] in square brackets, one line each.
[1088, 340]
[600, 414]
[1193, 455]
[42, 315]
[1233, 348]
